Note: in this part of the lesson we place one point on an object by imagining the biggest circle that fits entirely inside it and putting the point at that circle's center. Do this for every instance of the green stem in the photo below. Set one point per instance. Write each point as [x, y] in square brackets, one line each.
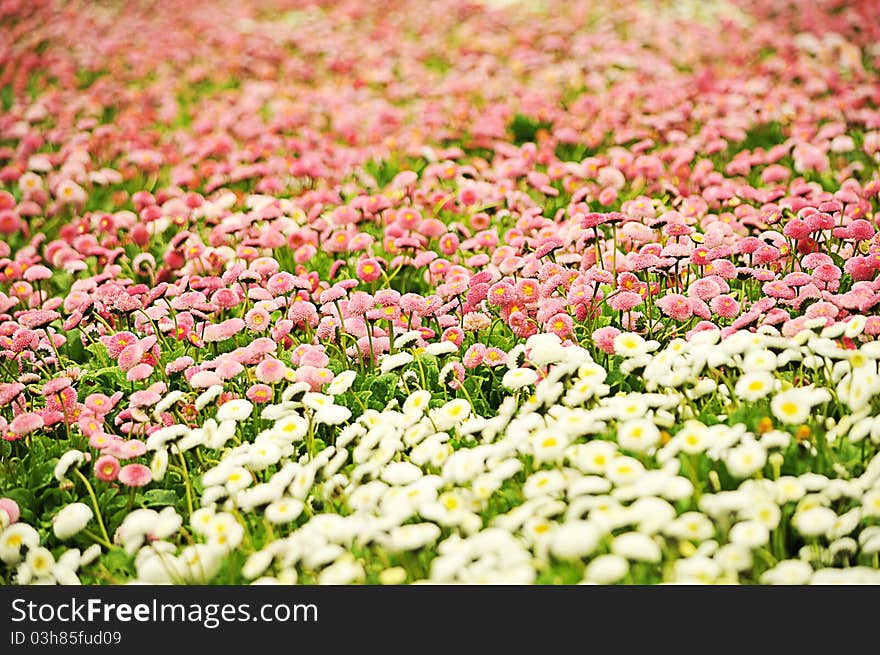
[186, 481]
[97, 507]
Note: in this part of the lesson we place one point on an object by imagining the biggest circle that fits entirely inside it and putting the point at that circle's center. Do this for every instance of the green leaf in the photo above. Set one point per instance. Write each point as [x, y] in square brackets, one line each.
[525, 128]
[117, 561]
[382, 387]
[160, 497]
[26, 500]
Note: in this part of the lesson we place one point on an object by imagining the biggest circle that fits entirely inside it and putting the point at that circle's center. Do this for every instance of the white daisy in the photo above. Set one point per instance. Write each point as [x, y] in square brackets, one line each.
[237, 410]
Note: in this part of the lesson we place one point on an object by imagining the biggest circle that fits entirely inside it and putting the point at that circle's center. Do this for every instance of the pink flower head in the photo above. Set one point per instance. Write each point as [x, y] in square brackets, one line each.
[456, 376]
[822, 308]
[387, 297]
[135, 475]
[369, 270]
[310, 375]
[778, 289]
[495, 357]
[604, 338]
[101, 440]
[861, 230]
[449, 244]
[10, 508]
[107, 468]
[624, 301]
[227, 368]
[303, 312]
[89, 425]
[561, 324]
[225, 298]
[281, 283]
[314, 356]
[359, 302]
[259, 393]
[130, 356]
[474, 355]
[178, 365]
[128, 449]
[62, 401]
[270, 371]
[345, 215]
[304, 253]
[860, 268]
[527, 290]
[37, 272]
[98, 403]
[117, 342]
[139, 372]
[501, 294]
[872, 326]
[827, 273]
[9, 392]
[725, 306]
[332, 294]
[675, 306]
[409, 218]
[56, 385]
[257, 319]
[388, 313]
[766, 254]
[798, 279]
[704, 288]
[223, 331]
[677, 229]
[204, 379]
[413, 303]
[26, 423]
[453, 335]
[797, 229]
[147, 397]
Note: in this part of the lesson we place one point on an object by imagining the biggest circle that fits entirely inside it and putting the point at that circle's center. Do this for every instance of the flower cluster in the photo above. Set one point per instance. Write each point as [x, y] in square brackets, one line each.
[542, 292]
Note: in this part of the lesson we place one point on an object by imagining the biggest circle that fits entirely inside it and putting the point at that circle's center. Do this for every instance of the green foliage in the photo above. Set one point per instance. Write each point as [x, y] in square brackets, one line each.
[525, 129]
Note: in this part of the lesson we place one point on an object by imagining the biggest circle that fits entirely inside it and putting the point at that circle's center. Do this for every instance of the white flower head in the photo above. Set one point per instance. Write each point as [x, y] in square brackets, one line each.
[208, 396]
[638, 435]
[71, 519]
[606, 569]
[236, 410]
[71, 458]
[14, 538]
[574, 540]
[518, 378]
[341, 383]
[388, 363]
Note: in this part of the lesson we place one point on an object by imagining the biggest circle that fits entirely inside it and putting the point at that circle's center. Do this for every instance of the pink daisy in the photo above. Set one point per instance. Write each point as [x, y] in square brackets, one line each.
[270, 371]
[107, 468]
[139, 372]
[725, 306]
[675, 306]
[225, 298]
[257, 319]
[26, 423]
[10, 508]
[368, 270]
[135, 475]
[259, 393]
[204, 379]
[179, 364]
[474, 355]
[130, 356]
[624, 301]
[89, 425]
